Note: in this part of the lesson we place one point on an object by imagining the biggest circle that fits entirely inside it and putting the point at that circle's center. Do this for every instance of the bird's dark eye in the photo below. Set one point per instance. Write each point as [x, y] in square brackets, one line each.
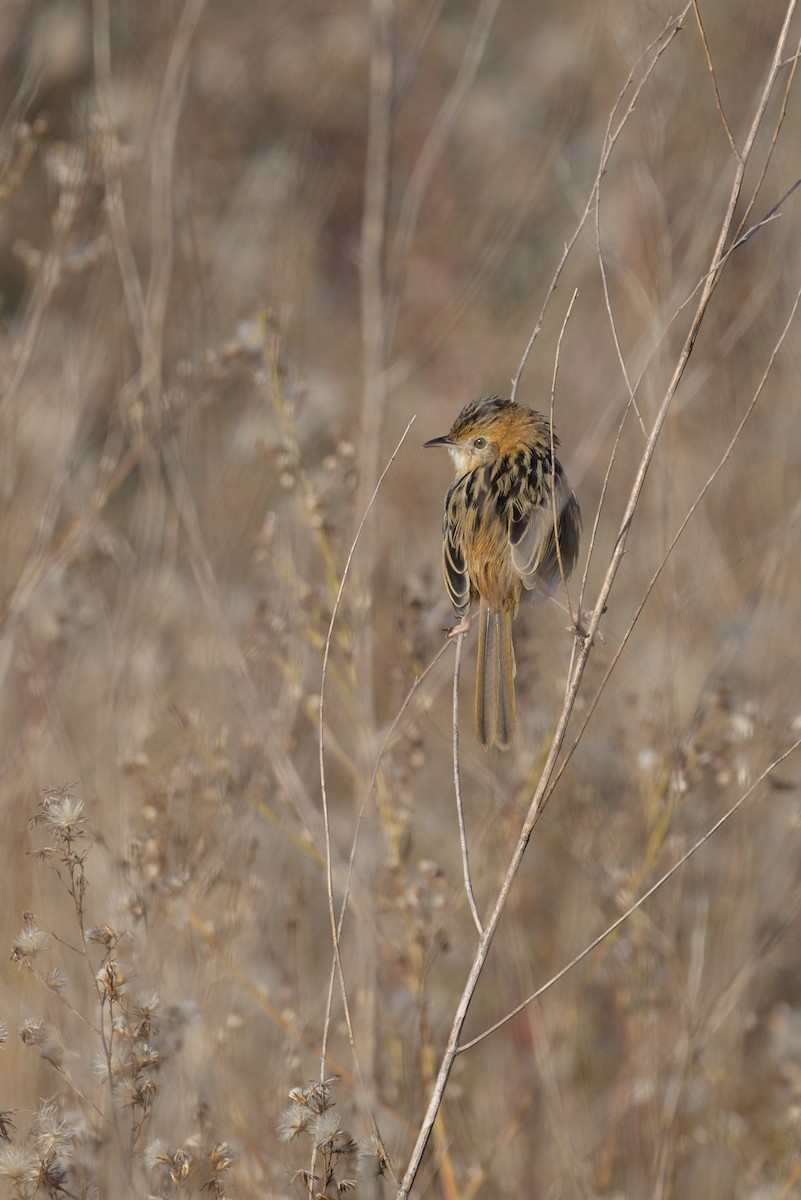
[480, 443]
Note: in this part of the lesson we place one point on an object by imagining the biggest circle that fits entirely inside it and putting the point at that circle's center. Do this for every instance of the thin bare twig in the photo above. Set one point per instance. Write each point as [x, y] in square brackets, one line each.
[329, 872]
[457, 785]
[554, 513]
[372, 280]
[610, 929]
[357, 830]
[432, 148]
[608, 302]
[711, 69]
[661, 43]
[770, 215]
[774, 139]
[423, 27]
[687, 518]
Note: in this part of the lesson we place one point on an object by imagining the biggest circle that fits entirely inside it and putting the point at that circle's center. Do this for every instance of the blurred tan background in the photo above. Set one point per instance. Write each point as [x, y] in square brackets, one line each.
[186, 453]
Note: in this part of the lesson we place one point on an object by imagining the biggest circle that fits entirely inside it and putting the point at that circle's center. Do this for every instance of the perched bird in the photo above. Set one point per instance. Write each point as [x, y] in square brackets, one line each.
[511, 522]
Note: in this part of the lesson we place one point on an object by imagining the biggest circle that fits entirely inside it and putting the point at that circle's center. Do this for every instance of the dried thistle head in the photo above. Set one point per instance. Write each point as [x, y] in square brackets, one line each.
[61, 814]
[18, 1166]
[373, 1159]
[52, 1133]
[29, 942]
[33, 1033]
[111, 981]
[294, 1120]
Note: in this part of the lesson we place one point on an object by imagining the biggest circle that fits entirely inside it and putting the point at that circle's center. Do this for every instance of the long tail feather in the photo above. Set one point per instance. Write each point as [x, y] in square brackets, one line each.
[495, 679]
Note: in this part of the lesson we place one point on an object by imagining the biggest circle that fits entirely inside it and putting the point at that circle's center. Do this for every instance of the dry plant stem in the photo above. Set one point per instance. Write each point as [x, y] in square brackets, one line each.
[144, 315]
[774, 139]
[48, 277]
[732, 994]
[289, 1028]
[147, 314]
[354, 845]
[658, 48]
[541, 792]
[115, 207]
[162, 184]
[368, 793]
[711, 69]
[432, 148]
[770, 215]
[329, 875]
[632, 391]
[633, 908]
[574, 1167]
[62, 999]
[555, 514]
[372, 277]
[346, 891]
[457, 784]
[661, 566]
[424, 25]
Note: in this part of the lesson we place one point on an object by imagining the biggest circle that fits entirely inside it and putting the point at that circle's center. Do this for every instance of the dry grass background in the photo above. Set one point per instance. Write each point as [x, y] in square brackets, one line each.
[184, 464]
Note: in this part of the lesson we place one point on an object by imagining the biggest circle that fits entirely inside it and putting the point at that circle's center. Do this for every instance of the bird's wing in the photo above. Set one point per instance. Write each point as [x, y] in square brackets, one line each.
[532, 541]
[457, 581]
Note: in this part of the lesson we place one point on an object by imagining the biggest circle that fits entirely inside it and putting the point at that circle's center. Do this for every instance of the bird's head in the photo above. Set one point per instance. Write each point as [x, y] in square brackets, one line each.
[491, 427]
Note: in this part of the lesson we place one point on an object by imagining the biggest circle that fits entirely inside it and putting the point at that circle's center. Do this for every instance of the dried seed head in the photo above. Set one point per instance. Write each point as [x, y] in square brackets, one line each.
[52, 1134]
[29, 942]
[294, 1120]
[326, 1128]
[62, 813]
[18, 1166]
[373, 1160]
[157, 1154]
[221, 1157]
[33, 1033]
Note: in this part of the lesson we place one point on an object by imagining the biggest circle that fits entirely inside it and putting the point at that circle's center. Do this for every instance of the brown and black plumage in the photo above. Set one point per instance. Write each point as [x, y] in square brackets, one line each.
[512, 523]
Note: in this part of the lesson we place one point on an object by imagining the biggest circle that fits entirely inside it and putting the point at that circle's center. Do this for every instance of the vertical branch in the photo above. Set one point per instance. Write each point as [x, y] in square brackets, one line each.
[162, 190]
[541, 792]
[373, 303]
[457, 783]
[429, 155]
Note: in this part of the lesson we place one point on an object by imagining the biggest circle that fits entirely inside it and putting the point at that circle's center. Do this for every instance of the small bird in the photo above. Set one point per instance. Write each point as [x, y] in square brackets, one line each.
[511, 522]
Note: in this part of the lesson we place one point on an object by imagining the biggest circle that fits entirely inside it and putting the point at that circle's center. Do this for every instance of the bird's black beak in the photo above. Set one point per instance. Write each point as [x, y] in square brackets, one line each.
[445, 440]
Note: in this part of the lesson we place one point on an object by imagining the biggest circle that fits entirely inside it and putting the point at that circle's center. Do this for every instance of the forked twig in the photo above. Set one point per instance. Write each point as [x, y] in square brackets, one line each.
[713, 76]
[661, 43]
[774, 139]
[770, 215]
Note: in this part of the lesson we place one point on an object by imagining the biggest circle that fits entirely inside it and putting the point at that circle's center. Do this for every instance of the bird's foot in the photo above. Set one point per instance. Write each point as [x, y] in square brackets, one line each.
[455, 630]
[580, 629]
